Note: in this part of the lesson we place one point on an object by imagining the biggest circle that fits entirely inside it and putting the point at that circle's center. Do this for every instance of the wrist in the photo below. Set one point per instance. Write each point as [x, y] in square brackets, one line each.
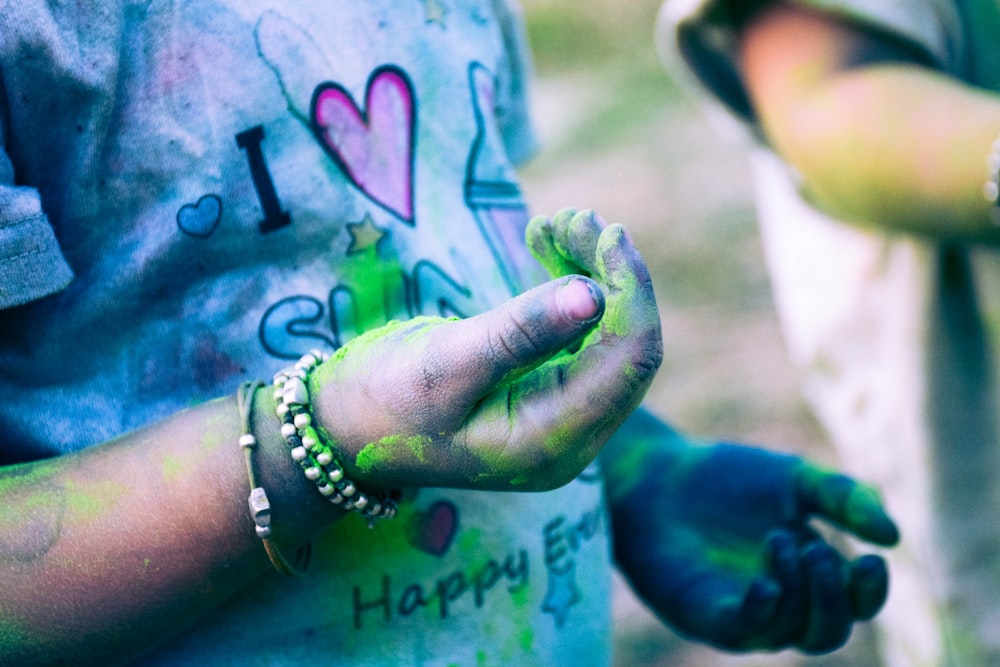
[299, 512]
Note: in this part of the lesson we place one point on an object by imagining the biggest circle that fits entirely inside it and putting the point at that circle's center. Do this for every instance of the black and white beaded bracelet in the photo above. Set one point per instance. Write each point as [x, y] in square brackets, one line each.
[307, 448]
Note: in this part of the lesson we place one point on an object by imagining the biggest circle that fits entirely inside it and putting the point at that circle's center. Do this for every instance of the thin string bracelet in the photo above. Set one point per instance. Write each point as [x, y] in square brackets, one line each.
[260, 506]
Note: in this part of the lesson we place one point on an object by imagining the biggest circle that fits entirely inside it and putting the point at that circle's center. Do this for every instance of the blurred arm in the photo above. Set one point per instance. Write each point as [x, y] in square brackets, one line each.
[878, 137]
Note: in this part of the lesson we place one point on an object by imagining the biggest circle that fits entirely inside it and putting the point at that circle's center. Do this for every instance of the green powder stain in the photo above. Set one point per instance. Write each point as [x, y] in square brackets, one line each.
[735, 559]
[481, 658]
[560, 439]
[217, 427]
[419, 326]
[25, 475]
[618, 322]
[97, 500]
[427, 324]
[521, 597]
[627, 470]
[527, 640]
[392, 448]
[42, 499]
[173, 468]
[469, 542]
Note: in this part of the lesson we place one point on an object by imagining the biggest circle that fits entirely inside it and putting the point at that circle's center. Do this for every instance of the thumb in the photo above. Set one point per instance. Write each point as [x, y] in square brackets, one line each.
[502, 344]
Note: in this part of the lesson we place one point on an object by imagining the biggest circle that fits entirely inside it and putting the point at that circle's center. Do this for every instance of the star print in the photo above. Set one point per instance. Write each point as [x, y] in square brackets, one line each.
[364, 235]
[434, 12]
[562, 594]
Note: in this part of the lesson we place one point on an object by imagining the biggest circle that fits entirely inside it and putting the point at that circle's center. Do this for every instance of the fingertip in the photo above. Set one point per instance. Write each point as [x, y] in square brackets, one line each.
[538, 228]
[852, 505]
[580, 300]
[561, 222]
[830, 617]
[869, 586]
[617, 252]
[868, 517]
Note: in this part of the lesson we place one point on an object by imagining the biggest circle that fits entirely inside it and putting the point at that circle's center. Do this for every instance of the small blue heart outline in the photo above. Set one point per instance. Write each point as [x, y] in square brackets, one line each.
[200, 219]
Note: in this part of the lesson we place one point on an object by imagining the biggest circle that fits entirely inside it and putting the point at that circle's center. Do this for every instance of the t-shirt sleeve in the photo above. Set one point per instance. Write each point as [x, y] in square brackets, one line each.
[699, 37]
[31, 262]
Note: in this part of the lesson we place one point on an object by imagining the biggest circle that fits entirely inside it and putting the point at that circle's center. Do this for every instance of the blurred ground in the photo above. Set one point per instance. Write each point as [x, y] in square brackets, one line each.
[618, 135]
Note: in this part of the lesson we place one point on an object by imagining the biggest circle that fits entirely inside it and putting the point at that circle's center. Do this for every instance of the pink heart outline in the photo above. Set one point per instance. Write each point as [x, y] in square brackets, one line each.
[373, 145]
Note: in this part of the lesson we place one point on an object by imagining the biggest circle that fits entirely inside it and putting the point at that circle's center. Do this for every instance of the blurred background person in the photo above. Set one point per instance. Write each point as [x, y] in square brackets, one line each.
[873, 122]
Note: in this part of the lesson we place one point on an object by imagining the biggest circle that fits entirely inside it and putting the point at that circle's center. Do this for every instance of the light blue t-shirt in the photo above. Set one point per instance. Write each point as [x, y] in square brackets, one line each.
[192, 193]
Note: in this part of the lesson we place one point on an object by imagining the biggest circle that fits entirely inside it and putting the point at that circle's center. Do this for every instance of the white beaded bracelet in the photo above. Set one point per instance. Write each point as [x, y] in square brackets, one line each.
[291, 394]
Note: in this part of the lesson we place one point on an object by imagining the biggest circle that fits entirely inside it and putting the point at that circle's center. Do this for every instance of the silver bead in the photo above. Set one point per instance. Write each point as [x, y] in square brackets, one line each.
[295, 391]
[288, 430]
[299, 454]
[308, 361]
[260, 507]
[313, 473]
[247, 440]
[302, 420]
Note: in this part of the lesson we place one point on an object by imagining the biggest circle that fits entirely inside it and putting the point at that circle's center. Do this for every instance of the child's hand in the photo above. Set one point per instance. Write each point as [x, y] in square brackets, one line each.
[496, 401]
[718, 541]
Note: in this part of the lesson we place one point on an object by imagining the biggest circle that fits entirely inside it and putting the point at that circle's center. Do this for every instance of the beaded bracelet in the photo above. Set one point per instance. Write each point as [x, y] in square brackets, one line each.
[315, 456]
[260, 506]
[991, 188]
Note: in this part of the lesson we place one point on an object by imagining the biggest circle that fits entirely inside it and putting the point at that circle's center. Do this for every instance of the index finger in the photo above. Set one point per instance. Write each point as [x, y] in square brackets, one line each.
[852, 505]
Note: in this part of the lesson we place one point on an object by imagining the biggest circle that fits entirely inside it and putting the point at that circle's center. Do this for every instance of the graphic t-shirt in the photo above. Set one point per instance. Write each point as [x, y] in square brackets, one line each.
[193, 193]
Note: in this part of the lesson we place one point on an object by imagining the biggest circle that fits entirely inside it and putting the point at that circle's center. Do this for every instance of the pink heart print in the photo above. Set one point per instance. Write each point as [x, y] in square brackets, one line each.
[433, 530]
[374, 144]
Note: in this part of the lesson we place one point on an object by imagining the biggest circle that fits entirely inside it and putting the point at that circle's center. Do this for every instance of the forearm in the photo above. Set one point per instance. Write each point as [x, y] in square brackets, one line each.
[899, 147]
[644, 440]
[879, 137]
[121, 546]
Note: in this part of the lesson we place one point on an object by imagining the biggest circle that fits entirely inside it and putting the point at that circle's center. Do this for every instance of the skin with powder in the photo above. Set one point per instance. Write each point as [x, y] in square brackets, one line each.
[471, 404]
[507, 438]
[731, 557]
